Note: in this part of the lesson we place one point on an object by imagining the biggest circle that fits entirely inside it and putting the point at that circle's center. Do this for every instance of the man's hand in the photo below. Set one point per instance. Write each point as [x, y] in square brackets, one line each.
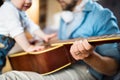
[81, 49]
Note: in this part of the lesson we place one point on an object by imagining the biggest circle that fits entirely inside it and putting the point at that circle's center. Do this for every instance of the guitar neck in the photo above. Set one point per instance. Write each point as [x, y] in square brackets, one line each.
[96, 40]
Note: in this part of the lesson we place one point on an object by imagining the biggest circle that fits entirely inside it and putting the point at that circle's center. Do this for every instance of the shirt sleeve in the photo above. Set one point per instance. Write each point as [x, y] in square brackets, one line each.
[107, 24]
[110, 50]
[12, 22]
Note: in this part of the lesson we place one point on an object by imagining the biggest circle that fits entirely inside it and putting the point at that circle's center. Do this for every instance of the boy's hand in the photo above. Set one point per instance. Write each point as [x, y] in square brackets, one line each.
[35, 48]
[50, 36]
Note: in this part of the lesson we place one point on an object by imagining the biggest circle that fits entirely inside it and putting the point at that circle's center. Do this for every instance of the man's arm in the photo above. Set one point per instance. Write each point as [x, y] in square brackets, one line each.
[82, 50]
[105, 65]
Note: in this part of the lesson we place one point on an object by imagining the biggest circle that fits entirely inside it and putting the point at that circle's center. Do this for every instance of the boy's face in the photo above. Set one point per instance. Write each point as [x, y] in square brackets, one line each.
[67, 4]
[22, 4]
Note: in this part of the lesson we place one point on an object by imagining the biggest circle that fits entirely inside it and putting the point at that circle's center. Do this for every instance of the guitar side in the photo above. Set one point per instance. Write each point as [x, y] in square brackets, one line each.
[44, 62]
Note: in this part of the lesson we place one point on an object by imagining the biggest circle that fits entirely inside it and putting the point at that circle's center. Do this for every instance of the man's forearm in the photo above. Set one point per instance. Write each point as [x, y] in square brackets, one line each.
[105, 65]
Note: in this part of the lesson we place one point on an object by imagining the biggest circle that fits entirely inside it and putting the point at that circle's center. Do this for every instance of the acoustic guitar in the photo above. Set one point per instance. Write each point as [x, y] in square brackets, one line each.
[54, 57]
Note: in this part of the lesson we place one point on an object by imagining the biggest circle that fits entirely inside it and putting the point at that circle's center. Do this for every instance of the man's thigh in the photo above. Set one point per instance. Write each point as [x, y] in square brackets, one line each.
[75, 72]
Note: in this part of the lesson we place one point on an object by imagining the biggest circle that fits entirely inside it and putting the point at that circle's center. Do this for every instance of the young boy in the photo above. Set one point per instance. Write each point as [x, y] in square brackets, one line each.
[13, 22]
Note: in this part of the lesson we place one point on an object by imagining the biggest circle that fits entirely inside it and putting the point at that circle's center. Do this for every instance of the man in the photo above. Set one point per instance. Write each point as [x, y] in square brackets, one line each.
[82, 18]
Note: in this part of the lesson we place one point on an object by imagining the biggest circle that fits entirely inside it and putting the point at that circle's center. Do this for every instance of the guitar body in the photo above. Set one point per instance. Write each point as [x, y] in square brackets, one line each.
[55, 57]
[44, 62]
[21, 62]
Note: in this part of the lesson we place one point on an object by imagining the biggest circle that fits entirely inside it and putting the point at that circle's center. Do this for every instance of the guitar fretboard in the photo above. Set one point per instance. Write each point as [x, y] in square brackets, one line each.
[96, 40]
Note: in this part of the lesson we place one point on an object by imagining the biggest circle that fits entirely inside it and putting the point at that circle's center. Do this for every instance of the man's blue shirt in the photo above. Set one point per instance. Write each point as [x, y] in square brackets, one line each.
[97, 21]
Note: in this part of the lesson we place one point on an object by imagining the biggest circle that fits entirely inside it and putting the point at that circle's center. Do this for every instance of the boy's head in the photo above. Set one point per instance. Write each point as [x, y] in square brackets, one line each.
[22, 4]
